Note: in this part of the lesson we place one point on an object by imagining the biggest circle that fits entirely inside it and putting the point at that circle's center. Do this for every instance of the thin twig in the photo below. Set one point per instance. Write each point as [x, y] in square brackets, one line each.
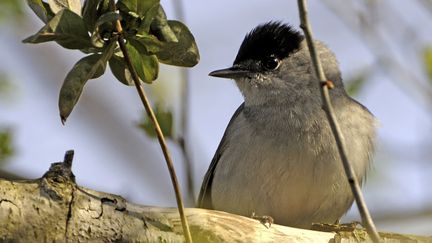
[385, 60]
[340, 141]
[68, 158]
[158, 130]
[184, 113]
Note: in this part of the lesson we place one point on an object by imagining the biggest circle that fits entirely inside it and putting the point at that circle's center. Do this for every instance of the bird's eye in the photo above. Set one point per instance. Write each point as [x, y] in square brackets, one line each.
[271, 63]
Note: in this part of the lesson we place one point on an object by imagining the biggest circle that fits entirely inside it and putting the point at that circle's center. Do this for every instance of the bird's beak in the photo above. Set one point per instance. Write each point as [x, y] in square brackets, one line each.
[232, 73]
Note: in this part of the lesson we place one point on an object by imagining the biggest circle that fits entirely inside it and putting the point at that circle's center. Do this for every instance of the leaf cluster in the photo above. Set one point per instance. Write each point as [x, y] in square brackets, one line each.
[150, 39]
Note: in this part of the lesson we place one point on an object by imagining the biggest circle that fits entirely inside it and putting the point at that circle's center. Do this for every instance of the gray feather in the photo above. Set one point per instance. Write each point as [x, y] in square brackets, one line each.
[204, 198]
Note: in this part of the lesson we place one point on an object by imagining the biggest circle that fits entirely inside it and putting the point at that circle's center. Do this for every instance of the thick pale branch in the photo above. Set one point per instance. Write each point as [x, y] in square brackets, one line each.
[54, 208]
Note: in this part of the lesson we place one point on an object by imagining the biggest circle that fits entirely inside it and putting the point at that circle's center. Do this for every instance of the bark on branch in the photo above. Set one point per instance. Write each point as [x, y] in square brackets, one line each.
[55, 208]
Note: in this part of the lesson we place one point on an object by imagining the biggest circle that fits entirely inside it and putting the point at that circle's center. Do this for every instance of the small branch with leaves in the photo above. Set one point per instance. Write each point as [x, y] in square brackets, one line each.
[326, 85]
[132, 38]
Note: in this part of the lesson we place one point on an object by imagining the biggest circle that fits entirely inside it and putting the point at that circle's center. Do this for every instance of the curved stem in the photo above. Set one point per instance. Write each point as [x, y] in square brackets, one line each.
[340, 141]
[160, 136]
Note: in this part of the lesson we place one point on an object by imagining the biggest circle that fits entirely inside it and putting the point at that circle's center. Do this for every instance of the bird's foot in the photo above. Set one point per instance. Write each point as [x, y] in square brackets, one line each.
[336, 227]
[352, 225]
[264, 219]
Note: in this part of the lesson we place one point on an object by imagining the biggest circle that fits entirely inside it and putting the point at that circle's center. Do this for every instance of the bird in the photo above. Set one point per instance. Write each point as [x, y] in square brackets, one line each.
[278, 156]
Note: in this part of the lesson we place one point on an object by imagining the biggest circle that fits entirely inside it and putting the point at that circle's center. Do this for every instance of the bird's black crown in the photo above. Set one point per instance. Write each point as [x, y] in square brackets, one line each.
[272, 38]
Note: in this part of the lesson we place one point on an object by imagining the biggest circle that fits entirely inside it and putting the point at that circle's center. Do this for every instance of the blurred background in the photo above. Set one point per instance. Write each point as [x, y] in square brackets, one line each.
[385, 53]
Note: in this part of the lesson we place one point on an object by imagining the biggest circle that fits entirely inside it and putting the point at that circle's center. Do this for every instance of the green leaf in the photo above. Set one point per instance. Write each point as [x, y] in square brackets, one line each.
[104, 26]
[50, 13]
[161, 28]
[183, 53]
[89, 67]
[139, 7]
[109, 50]
[149, 16]
[41, 9]
[120, 70]
[146, 44]
[165, 119]
[90, 13]
[146, 66]
[38, 8]
[58, 5]
[108, 17]
[66, 28]
[97, 40]
[427, 59]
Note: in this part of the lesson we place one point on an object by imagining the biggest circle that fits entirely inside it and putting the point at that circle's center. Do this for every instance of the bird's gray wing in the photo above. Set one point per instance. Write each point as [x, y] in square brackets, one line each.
[204, 198]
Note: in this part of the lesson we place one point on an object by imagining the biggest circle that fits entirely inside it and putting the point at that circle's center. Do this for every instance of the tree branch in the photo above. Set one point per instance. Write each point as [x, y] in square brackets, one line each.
[55, 208]
[10, 176]
[340, 141]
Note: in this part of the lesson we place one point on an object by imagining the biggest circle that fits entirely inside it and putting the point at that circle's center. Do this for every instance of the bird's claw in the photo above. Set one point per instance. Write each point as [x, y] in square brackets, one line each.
[264, 219]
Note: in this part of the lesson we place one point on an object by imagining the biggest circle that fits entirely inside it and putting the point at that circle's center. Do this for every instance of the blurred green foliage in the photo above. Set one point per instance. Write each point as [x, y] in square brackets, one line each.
[6, 86]
[11, 10]
[165, 119]
[6, 135]
[6, 148]
[427, 61]
[355, 84]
